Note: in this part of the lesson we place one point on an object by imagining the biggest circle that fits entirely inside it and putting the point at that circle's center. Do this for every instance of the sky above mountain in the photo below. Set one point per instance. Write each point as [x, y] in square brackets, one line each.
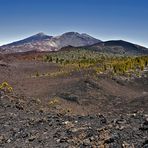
[103, 19]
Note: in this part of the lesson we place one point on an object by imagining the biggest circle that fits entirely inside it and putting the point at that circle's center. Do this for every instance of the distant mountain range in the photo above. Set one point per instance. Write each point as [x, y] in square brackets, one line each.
[42, 42]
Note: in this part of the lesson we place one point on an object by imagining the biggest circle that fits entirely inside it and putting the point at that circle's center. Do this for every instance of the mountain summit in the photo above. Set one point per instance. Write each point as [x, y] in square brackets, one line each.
[43, 42]
[37, 37]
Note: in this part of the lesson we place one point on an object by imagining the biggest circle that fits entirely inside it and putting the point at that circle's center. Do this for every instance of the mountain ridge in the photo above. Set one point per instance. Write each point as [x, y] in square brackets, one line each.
[121, 46]
[41, 42]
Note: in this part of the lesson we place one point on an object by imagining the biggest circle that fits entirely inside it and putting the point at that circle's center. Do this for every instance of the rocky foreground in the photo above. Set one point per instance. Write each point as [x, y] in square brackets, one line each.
[24, 123]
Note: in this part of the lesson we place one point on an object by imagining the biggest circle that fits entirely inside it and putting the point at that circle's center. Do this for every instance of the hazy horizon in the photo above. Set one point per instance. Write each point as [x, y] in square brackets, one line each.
[102, 19]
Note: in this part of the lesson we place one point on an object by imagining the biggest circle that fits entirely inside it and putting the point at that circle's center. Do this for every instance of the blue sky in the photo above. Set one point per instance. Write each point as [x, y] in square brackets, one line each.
[104, 19]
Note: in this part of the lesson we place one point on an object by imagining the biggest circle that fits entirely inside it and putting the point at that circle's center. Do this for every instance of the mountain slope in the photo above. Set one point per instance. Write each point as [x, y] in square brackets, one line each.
[42, 42]
[118, 47]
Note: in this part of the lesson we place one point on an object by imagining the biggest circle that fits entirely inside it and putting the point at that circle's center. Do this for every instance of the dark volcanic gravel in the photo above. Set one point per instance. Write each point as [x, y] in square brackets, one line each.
[24, 125]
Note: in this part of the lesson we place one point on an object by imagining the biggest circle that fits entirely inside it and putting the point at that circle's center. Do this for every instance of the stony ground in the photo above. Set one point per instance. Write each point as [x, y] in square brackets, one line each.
[24, 124]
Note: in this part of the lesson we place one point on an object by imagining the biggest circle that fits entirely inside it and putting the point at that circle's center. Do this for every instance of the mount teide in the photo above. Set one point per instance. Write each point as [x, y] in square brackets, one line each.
[43, 42]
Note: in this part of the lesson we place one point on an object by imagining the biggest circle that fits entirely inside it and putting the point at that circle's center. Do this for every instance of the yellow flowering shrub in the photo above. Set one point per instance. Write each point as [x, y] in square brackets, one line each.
[6, 87]
[54, 101]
